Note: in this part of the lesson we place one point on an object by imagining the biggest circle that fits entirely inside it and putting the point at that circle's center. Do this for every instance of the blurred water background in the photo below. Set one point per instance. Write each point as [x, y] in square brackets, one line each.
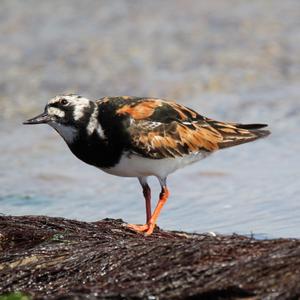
[230, 60]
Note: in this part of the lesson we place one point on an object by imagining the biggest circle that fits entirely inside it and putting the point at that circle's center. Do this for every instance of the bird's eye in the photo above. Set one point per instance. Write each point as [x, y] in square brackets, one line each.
[64, 101]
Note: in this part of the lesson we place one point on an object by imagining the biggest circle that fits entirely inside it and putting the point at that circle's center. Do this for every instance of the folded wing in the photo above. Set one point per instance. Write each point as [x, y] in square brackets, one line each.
[162, 129]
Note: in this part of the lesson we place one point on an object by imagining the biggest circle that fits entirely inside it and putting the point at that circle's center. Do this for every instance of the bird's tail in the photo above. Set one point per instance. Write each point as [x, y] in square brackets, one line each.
[235, 134]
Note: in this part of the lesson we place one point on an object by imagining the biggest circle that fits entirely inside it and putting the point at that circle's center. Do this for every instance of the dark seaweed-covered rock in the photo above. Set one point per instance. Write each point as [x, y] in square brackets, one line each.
[55, 258]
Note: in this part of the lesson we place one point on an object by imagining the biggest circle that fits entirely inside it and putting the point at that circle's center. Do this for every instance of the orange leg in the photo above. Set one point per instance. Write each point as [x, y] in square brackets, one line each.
[147, 196]
[163, 197]
[151, 219]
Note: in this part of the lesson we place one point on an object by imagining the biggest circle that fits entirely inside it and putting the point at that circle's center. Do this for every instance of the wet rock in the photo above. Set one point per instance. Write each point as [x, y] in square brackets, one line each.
[56, 258]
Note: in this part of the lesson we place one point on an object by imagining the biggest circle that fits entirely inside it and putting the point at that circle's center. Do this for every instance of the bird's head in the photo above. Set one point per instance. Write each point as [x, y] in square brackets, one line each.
[67, 114]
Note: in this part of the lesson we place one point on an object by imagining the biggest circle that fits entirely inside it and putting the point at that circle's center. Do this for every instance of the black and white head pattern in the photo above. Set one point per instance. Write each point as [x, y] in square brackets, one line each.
[72, 115]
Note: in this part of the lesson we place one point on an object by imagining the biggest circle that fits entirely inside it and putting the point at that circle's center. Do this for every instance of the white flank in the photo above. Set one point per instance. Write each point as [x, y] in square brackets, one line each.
[137, 166]
[54, 111]
[68, 133]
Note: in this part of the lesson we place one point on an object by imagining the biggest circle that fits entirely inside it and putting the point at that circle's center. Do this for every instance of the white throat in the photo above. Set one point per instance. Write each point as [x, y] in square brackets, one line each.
[68, 133]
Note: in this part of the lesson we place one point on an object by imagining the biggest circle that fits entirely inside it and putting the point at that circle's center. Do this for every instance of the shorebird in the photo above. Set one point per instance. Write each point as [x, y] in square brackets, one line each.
[141, 137]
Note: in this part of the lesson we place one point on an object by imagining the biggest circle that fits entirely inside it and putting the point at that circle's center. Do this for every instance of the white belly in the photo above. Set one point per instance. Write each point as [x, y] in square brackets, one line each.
[137, 166]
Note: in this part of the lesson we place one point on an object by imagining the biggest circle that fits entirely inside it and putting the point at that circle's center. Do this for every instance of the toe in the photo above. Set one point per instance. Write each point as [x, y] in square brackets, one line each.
[150, 229]
[138, 228]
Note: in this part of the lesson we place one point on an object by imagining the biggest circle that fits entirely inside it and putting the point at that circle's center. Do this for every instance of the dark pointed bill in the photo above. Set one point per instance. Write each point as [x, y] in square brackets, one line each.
[40, 119]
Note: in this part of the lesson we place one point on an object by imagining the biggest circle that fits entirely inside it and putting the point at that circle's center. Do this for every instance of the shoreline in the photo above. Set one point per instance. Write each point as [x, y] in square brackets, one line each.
[47, 257]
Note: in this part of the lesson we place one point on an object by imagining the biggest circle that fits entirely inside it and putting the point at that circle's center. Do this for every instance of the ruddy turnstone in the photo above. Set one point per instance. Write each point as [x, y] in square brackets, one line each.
[141, 137]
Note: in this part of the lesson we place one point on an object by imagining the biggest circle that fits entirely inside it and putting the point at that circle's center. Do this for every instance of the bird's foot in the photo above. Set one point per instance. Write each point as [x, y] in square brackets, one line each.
[150, 229]
[147, 229]
[138, 228]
